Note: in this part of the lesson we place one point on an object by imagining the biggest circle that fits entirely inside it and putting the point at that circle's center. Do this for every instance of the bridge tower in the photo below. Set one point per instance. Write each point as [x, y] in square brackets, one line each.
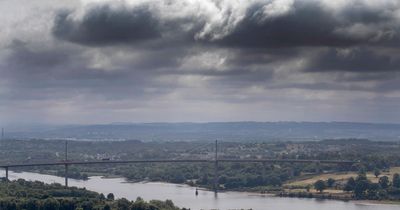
[6, 168]
[66, 164]
[216, 168]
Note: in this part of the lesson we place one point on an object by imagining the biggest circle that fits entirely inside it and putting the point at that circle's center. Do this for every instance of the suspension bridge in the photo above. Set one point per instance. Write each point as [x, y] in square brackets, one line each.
[66, 163]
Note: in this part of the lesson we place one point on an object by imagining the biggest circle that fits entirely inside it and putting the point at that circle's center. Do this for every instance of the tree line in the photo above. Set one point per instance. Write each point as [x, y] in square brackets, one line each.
[362, 188]
[27, 195]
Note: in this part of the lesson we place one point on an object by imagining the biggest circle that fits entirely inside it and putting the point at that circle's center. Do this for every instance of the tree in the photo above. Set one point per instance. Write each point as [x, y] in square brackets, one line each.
[8, 204]
[107, 207]
[377, 172]
[87, 205]
[330, 182]
[204, 179]
[372, 191]
[51, 204]
[139, 204]
[32, 204]
[178, 178]
[169, 203]
[382, 194]
[110, 196]
[308, 188]
[361, 177]
[360, 188]
[67, 204]
[396, 180]
[123, 204]
[102, 197]
[320, 185]
[274, 181]
[362, 171]
[351, 183]
[384, 182]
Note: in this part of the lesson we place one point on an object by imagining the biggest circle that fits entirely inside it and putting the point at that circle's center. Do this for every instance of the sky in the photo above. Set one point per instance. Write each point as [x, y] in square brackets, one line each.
[102, 61]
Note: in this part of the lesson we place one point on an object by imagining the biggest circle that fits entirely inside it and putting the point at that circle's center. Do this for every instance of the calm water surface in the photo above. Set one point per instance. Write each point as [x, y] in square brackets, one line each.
[184, 196]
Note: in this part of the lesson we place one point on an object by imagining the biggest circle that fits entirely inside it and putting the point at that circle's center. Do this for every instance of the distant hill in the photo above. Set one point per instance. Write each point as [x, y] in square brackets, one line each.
[229, 131]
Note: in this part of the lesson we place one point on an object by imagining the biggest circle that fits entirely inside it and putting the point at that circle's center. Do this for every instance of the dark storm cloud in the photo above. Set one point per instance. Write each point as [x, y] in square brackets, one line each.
[257, 42]
[103, 25]
[218, 53]
[308, 24]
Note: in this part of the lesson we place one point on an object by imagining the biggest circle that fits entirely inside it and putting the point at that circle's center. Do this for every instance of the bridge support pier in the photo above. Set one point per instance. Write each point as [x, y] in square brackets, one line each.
[66, 165]
[216, 177]
[66, 175]
[264, 168]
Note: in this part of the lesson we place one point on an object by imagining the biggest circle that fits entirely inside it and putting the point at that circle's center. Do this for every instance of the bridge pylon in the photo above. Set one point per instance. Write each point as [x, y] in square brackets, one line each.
[66, 165]
[216, 167]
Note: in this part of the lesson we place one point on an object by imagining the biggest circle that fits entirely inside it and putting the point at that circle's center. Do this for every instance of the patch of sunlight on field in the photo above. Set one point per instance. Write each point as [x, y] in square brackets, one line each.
[339, 177]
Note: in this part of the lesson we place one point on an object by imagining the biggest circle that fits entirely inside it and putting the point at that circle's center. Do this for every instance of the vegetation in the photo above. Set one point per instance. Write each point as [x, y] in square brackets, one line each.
[359, 188]
[377, 172]
[27, 195]
[320, 185]
[375, 161]
[362, 188]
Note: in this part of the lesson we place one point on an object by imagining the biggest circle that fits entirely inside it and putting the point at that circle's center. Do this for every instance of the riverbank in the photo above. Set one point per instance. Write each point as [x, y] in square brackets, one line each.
[184, 195]
[347, 197]
[260, 191]
[336, 195]
[372, 202]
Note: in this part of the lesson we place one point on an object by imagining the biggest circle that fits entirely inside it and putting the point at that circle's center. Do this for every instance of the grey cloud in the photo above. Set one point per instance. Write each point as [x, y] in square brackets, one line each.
[39, 66]
[361, 60]
[146, 55]
[360, 14]
[366, 76]
[25, 56]
[103, 25]
[63, 72]
[258, 43]
[309, 24]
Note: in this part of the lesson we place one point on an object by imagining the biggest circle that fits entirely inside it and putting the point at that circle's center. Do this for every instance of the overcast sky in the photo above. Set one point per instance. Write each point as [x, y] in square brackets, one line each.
[99, 61]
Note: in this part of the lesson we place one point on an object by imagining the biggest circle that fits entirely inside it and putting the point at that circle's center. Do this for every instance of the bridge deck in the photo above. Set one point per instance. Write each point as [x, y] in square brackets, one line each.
[179, 161]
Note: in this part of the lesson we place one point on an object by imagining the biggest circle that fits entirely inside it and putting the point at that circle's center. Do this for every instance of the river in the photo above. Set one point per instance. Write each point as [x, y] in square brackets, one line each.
[184, 196]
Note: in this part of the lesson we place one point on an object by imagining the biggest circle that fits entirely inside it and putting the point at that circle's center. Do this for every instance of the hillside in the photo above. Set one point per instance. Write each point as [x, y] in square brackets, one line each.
[232, 131]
